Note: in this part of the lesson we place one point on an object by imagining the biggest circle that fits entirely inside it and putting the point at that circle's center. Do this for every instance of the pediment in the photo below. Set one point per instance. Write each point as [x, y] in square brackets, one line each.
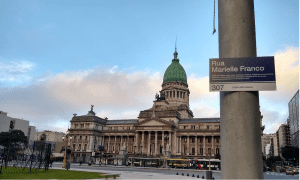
[154, 122]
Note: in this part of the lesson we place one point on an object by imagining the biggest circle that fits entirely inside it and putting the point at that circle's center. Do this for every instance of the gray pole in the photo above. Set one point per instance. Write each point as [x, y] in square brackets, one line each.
[240, 118]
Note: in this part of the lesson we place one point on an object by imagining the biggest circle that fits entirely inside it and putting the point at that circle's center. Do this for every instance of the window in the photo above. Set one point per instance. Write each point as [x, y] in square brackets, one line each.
[85, 146]
[86, 137]
[201, 150]
[76, 126]
[74, 137]
[218, 140]
[201, 140]
[193, 140]
[79, 147]
[185, 139]
[82, 125]
[208, 140]
[193, 127]
[73, 146]
[207, 127]
[183, 127]
[218, 151]
[80, 137]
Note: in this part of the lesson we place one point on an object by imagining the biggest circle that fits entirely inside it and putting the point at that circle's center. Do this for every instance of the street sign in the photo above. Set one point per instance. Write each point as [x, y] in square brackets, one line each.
[242, 74]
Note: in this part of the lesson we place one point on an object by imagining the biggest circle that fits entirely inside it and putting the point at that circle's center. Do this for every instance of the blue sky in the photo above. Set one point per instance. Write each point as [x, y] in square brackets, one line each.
[59, 57]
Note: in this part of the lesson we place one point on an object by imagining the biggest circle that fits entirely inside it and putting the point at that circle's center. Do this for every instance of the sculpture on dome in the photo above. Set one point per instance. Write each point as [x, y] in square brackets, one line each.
[161, 97]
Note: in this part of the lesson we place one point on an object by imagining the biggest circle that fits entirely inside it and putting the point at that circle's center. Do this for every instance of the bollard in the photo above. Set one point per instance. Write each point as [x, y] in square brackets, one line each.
[202, 177]
[182, 174]
[197, 176]
[193, 175]
[208, 174]
[177, 173]
[187, 174]
[213, 178]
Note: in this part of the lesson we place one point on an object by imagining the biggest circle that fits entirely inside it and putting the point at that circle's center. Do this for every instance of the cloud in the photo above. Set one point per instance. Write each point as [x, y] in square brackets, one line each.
[272, 120]
[206, 112]
[54, 98]
[50, 100]
[287, 76]
[15, 71]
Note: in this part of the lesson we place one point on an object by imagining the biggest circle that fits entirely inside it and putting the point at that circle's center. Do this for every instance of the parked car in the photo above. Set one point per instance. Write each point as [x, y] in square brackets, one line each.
[296, 171]
[289, 171]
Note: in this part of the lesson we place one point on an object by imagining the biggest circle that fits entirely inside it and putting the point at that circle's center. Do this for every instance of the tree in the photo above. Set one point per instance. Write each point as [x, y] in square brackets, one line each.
[290, 152]
[272, 160]
[68, 149]
[13, 138]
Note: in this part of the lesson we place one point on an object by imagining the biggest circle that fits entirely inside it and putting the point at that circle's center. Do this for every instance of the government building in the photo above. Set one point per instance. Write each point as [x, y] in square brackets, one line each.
[167, 128]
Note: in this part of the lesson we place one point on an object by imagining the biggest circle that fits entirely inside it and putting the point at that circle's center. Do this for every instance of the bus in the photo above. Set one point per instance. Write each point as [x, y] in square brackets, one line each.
[180, 163]
[215, 164]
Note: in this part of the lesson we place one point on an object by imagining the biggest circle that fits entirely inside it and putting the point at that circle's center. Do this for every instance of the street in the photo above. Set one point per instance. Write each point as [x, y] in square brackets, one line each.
[158, 173]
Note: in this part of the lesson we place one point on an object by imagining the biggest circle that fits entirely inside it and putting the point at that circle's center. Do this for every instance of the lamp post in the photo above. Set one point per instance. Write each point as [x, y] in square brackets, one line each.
[66, 139]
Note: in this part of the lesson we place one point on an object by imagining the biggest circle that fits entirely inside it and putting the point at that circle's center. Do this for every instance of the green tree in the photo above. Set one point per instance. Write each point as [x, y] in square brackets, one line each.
[290, 152]
[272, 160]
[13, 138]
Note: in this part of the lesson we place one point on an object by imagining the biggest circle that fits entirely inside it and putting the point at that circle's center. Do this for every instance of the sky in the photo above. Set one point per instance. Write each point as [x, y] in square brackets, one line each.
[60, 57]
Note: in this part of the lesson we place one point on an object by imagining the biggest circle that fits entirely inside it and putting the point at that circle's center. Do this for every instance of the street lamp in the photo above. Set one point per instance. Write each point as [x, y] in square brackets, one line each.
[66, 139]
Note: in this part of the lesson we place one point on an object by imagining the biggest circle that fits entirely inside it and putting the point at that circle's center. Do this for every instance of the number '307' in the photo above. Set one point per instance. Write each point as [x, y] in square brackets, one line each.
[217, 87]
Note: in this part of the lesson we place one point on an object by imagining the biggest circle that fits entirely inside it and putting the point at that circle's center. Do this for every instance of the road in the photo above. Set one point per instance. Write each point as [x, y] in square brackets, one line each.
[159, 173]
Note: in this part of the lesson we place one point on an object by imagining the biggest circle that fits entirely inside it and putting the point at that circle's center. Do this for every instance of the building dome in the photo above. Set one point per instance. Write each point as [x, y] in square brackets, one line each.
[175, 71]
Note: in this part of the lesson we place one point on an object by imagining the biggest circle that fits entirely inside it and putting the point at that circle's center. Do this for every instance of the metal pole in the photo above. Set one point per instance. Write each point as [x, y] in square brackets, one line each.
[240, 118]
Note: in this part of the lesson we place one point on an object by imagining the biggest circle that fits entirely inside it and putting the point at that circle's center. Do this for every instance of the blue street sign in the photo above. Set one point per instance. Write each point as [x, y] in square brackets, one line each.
[242, 74]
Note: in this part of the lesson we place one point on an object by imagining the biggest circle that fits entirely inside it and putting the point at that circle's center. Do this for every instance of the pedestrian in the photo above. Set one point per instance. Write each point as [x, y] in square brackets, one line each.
[51, 162]
[80, 162]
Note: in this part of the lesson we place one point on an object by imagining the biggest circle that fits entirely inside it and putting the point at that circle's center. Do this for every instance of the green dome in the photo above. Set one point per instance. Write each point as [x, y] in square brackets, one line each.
[175, 71]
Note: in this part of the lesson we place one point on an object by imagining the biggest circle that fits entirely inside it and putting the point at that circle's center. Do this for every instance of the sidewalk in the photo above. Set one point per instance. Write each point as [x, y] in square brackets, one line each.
[140, 175]
[137, 167]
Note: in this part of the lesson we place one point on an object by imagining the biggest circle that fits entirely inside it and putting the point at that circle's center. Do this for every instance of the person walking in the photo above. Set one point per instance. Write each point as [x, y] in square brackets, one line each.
[51, 162]
[80, 162]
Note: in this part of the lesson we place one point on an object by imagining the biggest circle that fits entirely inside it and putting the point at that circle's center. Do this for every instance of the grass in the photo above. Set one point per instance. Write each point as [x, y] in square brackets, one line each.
[19, 173]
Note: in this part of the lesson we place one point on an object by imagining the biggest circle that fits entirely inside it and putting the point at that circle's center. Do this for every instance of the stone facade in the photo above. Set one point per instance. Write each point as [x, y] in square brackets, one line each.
[168, 127]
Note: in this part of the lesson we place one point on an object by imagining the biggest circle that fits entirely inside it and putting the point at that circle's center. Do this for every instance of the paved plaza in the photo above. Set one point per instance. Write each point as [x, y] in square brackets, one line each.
[127, 172]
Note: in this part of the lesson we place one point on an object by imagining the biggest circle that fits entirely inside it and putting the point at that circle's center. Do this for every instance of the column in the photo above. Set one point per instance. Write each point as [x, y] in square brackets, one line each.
[176, 143]
[188, 145]
[149, 136]
[196, 145]
[213, 146]
[136, 142]
[108, 143]
[127, 149]
[115, 149]
[121, 143]
[204, 151]
[180, 145]
[170, 141]
[155, 142]
[163, 142]
[142, 144]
